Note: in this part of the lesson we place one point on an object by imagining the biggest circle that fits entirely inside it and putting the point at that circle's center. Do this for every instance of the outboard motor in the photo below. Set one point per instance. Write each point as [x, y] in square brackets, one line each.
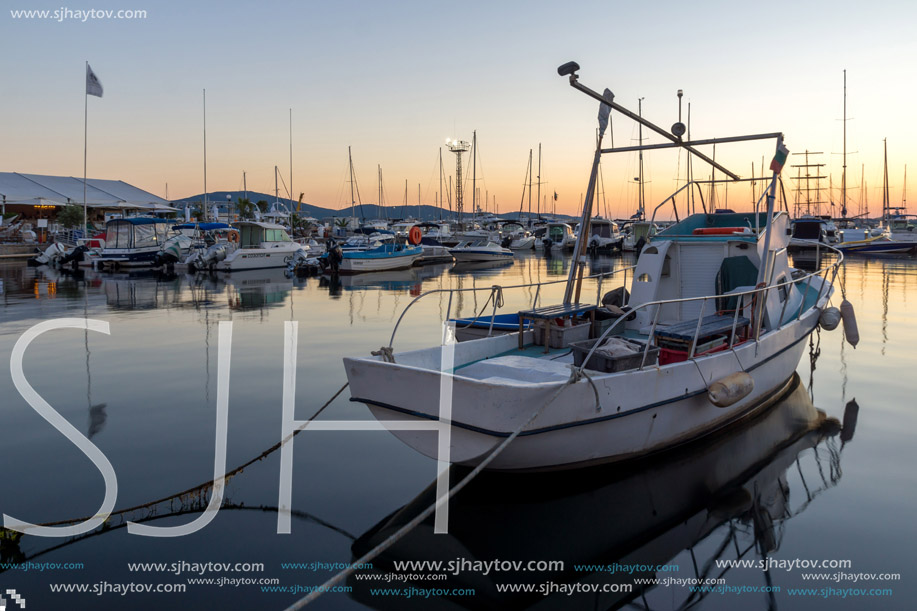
[547, 243]
[74, 257]
[50, 256]
[208, 258]
[506, 241]
[335, 256]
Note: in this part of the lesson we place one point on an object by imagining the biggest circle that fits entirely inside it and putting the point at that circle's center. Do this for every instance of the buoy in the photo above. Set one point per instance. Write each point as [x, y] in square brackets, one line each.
[850, 323]
[730, 389]
[829, 319]
[415, 235]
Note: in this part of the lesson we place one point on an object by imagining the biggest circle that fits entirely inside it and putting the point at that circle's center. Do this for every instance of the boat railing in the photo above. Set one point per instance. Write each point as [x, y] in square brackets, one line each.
[698, 183]
[758, 300]
[599, 277]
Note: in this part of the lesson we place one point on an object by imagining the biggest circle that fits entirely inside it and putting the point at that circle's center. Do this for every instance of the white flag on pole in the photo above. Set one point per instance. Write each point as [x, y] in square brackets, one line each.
[93, 86]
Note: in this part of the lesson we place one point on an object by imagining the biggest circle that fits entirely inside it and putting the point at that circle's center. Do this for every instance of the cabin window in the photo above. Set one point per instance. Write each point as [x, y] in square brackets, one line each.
[651, 250]
[781, 290]
[118, 235]
[644, 278]
[666, 266]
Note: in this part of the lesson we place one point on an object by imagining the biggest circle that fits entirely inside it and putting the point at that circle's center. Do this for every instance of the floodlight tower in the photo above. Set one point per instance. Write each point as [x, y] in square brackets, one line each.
[458, 147]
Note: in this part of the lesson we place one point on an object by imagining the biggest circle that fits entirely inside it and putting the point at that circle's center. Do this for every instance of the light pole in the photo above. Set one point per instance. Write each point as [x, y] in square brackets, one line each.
[229, 207]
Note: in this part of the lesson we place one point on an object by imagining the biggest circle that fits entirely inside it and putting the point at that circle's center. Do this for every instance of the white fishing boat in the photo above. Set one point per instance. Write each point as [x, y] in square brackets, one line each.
[718, 317]
[480, 250]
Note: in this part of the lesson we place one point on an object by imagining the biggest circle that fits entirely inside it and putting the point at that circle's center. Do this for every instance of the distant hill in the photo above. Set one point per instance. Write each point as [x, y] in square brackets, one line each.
[370, 211]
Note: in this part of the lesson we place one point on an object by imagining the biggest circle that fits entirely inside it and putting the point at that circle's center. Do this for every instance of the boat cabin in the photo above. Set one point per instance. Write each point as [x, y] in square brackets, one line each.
[262, 235]
[136, 233]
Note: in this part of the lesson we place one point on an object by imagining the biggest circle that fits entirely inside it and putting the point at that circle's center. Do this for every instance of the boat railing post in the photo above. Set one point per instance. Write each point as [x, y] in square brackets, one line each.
[700, 320]
[824, 282]
[626, 298]
[735, 320]
[493, 314]
[786, 302]
[535, 300]
[805, 294]
[765, 291]
[449, 306]
[598, 296]
[649, 339]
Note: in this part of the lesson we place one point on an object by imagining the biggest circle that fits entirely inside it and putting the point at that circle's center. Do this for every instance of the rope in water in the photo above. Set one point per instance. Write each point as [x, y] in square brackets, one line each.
[575, 376]
[209, 483]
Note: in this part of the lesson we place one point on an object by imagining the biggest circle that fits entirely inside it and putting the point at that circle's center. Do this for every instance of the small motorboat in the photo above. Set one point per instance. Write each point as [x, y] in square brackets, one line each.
[480, 250]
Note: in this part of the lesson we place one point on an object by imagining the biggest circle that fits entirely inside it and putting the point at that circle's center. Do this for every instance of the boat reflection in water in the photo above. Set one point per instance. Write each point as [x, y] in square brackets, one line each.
[730, 492]
[480, 268]
[410, 279]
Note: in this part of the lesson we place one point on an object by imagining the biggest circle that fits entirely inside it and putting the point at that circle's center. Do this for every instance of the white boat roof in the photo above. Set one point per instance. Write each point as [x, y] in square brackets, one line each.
[262, 224]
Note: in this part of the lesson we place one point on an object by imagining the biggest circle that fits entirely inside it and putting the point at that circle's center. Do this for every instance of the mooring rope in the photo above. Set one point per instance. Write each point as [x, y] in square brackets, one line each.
[404, 530]
[386, 352]
[209, 483]
[496, 295]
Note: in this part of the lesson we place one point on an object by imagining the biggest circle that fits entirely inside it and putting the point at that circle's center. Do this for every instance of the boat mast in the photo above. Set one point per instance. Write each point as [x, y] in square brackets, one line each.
[204, 207]
[538, 199]
[886, 204]
[640, 168]
[530, 186]
[474, 173]
[440, 195]
[844, 173]
[291, 160]
[352, 200]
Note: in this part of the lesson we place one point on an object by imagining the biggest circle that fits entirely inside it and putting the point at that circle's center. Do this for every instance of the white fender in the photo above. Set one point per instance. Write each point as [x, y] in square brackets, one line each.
[731, 389]
[850, 323]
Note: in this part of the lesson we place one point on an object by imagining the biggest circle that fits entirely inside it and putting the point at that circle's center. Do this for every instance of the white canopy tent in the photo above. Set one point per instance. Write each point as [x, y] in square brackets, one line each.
[37, 189]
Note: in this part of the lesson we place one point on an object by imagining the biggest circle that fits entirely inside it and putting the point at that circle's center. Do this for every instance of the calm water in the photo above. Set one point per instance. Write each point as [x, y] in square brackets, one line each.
[146, 394]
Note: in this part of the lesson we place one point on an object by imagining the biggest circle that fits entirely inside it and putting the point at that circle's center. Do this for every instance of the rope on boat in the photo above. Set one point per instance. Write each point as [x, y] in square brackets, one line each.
[496, 295]
[407, 528]
[386, 352]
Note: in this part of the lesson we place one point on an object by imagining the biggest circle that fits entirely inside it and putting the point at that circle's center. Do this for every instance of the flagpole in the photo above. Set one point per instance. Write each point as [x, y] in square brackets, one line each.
[85, 134]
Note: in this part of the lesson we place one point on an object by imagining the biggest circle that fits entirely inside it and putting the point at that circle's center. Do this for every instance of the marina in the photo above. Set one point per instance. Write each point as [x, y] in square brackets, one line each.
[394, 306]
[365, 476]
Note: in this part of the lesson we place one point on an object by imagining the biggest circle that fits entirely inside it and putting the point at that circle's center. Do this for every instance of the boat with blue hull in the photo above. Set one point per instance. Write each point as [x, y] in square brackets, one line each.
[382, 258]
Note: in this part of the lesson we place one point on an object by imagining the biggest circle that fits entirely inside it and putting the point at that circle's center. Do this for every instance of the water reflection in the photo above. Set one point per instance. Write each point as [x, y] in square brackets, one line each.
[733, 490]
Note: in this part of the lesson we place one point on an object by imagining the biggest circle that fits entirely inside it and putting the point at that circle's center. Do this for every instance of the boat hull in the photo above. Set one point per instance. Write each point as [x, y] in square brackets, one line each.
[258, 258]
[358, 265]
[639, 412]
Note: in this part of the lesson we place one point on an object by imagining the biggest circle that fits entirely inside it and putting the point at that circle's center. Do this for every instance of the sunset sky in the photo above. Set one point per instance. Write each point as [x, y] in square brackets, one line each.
[393, 80]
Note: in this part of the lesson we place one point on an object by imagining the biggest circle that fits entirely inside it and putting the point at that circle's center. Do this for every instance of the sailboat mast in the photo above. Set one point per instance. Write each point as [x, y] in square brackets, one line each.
[885, 201]
[350, 165]
[440, 196]
[640, 174]
[291, 160]
[204, 208]
[530, 186]
[844, 173]
[538, 198]
[474, 172]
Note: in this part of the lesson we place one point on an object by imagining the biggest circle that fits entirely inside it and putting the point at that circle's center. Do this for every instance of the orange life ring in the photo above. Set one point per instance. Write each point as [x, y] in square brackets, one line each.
[233, 236]
[415, 235]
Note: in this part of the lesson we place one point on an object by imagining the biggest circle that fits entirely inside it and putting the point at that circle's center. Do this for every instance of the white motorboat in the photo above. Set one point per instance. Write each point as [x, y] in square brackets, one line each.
[719, 318]
[133, 242]
[260, 246]
[604, 235]
[480, 250]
